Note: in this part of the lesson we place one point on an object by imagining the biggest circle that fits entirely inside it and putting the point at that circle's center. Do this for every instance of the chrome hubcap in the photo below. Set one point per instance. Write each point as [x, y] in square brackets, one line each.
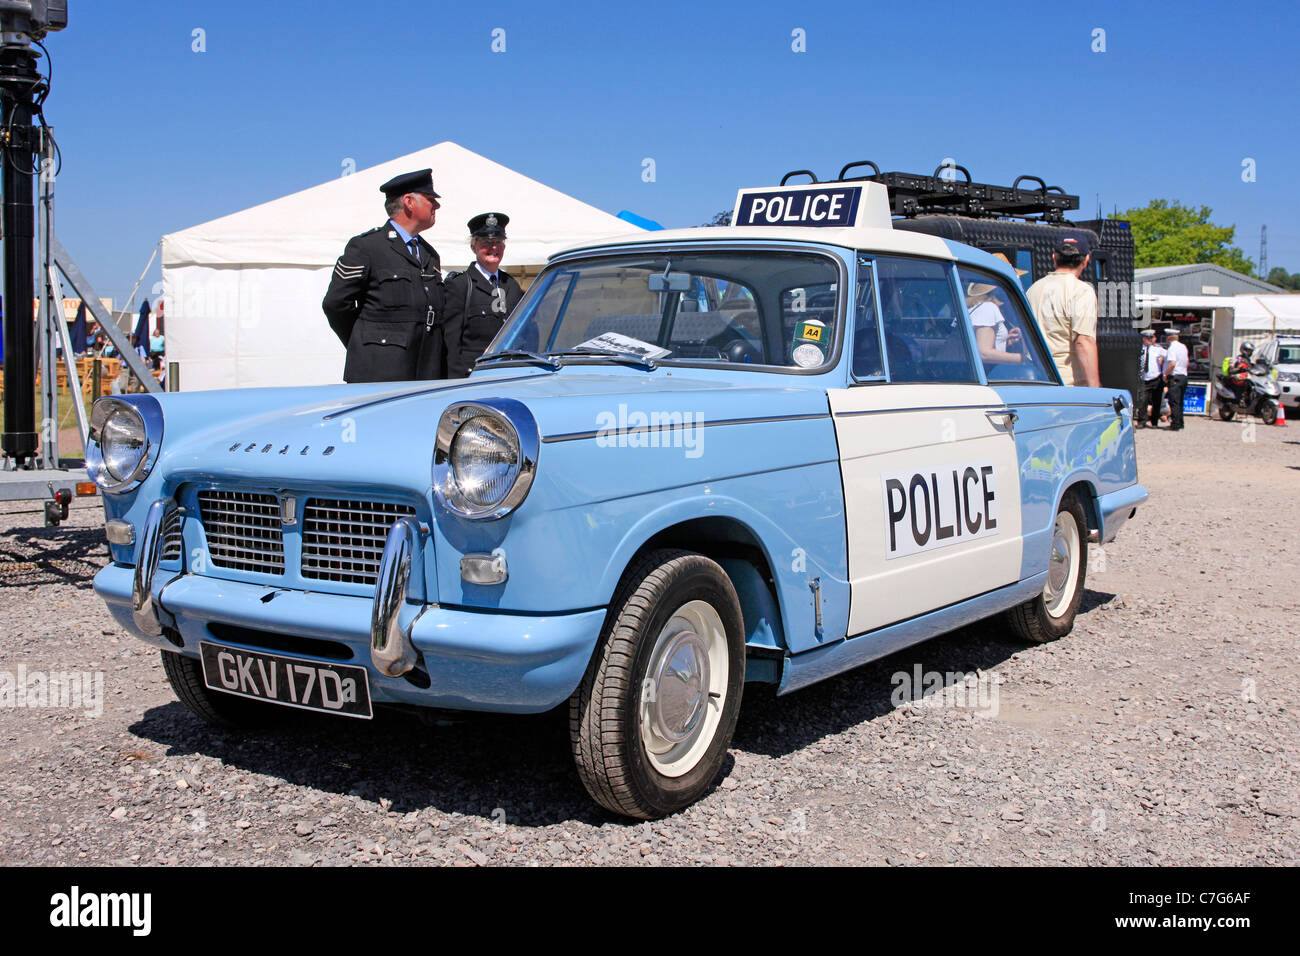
[684, 689]
[1062, 565]
[681, 686]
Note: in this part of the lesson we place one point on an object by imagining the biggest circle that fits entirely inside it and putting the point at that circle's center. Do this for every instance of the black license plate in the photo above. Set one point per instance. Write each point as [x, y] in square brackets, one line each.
[310, 685]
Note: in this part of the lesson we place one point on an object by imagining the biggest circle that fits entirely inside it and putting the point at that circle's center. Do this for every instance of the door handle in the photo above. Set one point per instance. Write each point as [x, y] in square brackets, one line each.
[1004, 417]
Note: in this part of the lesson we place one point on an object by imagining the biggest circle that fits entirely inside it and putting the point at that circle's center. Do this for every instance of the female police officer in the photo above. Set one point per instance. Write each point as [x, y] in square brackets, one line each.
[478, 300]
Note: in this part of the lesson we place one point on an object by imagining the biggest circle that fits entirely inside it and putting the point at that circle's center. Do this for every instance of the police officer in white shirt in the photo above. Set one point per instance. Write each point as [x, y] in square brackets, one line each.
[1175, 376]
[1153, 382]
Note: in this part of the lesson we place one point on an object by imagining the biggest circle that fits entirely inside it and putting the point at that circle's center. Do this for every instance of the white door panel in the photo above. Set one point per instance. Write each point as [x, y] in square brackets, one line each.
[927, 463]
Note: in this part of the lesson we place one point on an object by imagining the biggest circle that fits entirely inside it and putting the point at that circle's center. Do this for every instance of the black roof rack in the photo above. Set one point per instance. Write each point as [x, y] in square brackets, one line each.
[915, 194]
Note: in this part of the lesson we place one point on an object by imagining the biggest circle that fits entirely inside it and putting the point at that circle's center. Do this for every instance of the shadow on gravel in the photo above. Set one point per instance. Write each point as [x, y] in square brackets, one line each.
[778, 726]
[1094, 599]
[485, 764]
[30, 556]
[475, 766]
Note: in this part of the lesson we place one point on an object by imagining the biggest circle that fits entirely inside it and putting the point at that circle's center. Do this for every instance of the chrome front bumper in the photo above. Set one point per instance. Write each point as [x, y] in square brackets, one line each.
[144, 610]
[391, 650]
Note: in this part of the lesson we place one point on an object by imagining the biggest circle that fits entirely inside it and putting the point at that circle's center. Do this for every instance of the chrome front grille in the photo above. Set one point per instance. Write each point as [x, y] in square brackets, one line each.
[243, 530]
[171, 535]
[343, 540]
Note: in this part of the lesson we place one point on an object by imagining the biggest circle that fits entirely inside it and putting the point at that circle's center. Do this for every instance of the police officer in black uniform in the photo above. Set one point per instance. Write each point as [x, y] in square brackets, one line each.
[386, 294]
[479, 300]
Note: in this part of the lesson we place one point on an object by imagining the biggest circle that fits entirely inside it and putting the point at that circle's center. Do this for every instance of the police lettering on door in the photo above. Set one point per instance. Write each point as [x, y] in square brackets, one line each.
[938, 506]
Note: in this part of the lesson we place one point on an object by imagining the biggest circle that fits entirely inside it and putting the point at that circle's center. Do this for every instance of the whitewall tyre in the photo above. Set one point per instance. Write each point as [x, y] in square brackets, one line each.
[1050, 615]
[651, 722]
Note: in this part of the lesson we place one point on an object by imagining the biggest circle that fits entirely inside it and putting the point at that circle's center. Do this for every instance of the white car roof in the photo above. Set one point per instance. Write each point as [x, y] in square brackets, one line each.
[849, 237]
[852, 215]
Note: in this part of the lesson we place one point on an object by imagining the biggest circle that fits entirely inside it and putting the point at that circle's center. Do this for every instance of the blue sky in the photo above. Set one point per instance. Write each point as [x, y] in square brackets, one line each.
[157, 137]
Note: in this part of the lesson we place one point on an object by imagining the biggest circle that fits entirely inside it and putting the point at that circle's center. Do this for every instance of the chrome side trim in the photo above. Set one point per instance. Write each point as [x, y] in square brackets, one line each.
[918, 408]
[143, 610]
[391, 650]
[578, 436]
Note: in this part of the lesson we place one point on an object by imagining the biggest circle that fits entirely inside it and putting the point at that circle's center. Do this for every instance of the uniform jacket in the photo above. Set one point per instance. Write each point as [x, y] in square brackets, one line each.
[468, 329]
[382, 303]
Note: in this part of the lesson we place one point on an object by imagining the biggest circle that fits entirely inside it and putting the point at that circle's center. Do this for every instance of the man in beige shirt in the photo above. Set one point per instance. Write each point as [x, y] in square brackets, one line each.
[1066, 309]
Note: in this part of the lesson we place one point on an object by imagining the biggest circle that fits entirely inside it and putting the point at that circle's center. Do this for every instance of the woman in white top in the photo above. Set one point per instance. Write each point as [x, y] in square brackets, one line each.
[994, 338]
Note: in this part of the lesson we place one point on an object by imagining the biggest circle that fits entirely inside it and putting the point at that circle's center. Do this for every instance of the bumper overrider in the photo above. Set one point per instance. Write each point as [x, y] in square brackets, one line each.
[415, 653]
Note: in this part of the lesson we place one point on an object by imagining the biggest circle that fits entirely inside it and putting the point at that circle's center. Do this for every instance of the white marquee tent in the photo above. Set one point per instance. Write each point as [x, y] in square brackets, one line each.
[1273, 313]
[243, 292]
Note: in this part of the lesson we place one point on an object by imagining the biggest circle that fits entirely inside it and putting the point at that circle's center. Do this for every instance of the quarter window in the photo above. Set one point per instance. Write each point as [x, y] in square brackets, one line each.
[925, 329]
[867, 359]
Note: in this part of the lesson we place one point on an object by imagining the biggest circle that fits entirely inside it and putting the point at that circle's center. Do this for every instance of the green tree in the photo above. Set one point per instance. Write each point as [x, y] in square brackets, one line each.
[1170, 234]
[1287, 280]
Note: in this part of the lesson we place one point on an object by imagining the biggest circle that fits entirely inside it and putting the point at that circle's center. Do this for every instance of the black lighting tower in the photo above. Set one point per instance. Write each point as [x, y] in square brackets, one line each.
[22, 90]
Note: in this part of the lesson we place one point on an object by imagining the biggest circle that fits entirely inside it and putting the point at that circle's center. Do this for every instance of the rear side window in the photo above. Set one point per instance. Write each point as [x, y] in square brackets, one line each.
[925, 328]
[1008, 349]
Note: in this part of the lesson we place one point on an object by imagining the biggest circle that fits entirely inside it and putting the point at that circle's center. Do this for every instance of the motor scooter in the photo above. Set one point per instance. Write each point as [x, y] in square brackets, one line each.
[1258, 395]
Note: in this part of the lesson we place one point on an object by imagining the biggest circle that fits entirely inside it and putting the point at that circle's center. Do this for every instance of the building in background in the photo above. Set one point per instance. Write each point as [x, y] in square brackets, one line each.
[1200, 278]
[1214, 309]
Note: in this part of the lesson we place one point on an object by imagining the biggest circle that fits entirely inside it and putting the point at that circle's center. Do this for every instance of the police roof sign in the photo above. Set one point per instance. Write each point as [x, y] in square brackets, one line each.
[820, 205]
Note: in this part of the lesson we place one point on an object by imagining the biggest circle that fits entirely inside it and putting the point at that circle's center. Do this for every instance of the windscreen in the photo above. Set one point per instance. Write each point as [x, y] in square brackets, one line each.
[763, 308]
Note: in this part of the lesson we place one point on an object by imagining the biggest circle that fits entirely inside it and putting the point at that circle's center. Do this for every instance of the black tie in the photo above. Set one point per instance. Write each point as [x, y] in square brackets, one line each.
[415, 248]
[1144, 361]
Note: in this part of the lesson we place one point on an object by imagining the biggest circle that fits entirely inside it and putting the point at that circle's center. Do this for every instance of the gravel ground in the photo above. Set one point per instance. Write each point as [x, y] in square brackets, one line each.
[1162, 731]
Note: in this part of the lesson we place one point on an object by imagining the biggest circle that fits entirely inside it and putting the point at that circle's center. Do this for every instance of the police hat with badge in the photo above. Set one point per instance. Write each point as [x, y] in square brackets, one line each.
[488, 225]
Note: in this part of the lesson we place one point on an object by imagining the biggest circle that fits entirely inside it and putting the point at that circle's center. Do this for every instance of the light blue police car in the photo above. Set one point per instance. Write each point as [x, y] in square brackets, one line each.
[692, 459]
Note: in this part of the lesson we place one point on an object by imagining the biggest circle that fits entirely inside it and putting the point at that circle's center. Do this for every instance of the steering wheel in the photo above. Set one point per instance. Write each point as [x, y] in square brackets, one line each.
[742, 350]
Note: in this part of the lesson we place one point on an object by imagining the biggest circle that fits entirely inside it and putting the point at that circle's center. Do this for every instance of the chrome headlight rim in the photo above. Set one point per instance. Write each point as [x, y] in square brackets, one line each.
[520, 427]
[147, 410]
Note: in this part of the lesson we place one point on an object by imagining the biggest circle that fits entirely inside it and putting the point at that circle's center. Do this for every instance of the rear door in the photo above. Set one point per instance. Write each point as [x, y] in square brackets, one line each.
[927, 453]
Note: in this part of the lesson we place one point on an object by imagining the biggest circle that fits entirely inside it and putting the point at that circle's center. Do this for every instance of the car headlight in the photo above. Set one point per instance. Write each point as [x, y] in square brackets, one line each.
[124, 441]
[485, 457]
[1288, 377]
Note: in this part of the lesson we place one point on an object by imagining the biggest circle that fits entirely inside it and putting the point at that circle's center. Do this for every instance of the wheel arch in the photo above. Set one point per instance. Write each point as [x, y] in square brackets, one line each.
[742, 554]
[1084, 488]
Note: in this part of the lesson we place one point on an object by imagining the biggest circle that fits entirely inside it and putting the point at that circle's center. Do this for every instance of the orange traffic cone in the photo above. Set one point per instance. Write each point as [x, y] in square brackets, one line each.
[1281, 414]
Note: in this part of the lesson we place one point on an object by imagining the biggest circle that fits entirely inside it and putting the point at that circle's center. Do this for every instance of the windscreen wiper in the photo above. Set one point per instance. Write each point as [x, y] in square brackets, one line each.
[543, 360]
[623, 358]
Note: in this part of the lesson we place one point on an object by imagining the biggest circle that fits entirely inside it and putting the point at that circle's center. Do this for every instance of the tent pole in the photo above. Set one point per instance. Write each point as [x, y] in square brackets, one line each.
[131, 298]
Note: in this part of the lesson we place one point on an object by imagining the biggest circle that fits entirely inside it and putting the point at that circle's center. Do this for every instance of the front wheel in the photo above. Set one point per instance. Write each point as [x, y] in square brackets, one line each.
[1268, 413]
[1226, 412]
[650, 724]
[185, 675]
[1050, 615]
